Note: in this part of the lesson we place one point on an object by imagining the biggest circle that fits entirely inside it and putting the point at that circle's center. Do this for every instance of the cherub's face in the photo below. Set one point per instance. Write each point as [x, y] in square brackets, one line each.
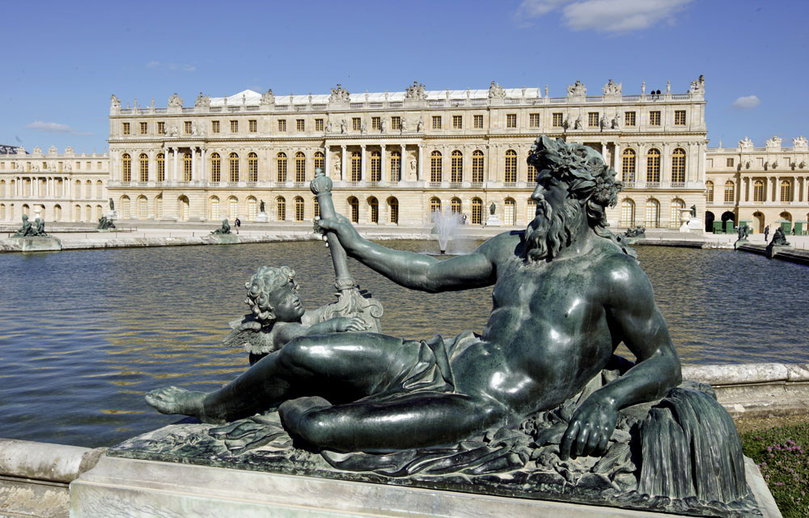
[286, 303]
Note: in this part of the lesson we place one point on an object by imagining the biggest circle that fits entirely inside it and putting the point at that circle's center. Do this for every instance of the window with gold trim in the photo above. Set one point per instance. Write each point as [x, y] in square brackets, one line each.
[319, 125]
[477, 211]
[786, 190]
[477, 121]
[393, 210]
[456, 167]
[356, 166]
[281, 160]
[628, 166]
[533, 120]
[252, 125]
[436, 122]
[376, 123]
[709, 191]
[300, 125]
[435, 205]
[216, 167]
[678, 166]
[281, 208]
[679, 117]
[457, 122]
[282, 125]
[234, 126]
[143, 162]
[629, 119]
[300, 167]
[592, 119]
[730, 191]
[511, 120]
[759, 192]
[354, 209]
[510, 167]
[436, 167]
[252, 167]
[356, 123]
[654, 118]
[395, 166]
[373, 210]
[320, 161]
[125, 128]
[396, 122]
[376, 166]
[298, 208]
[455, 205]
[187, 127]
[144, 128]
[557, 120]
[477, 166]
[187, 167]
[653, 166]
[233, 162]
[161, 167]
[214, 126]
[161, 128]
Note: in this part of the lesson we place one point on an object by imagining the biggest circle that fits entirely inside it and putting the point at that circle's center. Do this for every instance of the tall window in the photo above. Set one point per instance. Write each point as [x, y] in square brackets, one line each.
[436, 171]
[709, 191]
[252, 167]
[511, 120]
[678, 166]
[300, 167]
[252, 125]
[316, 207]
[675, 215]
[187, 127]
[187, 167]
[161, 167]
[216, 168]
[393, 210]
[354, 209]
[629, 119]
[234, 126]
[356, 166]
[679, 117]
[282, 167]
[592, 119]
[144, 128]
[282, 125]
[233, 161]
[511, 166]
[457, 122]
[533, 120]
[531, 171]
[530, 209]
[376, 166]
[126, 168]
[300, 125]
[455, 205]
[214, 126]
[556, 120]
[652, 213]
[320, 161]
[786, 190]
[125, 128]
[396, 122]
[477, 211]
[628, 166]
[251, 209]
[373, 208]
[729, 162]
[627, 213]
[653, 166]
[161, 128]
[143, 162]
[457, 167]
[759, 192]
[435, 205]
[356, 123]
[436, 122]
[654, 118]
[318, 124]
[509, 214]
[298, 208]
[730, 192]
[477, 121]
[376, 123]
[281, 208]
[395, 166]
[477, 166]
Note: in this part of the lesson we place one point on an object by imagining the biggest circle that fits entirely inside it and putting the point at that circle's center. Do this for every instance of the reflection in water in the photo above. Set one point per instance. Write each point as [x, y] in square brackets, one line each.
[83, 335]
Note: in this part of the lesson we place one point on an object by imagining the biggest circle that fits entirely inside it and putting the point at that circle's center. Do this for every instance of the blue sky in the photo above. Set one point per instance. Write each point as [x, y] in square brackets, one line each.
[63, 60]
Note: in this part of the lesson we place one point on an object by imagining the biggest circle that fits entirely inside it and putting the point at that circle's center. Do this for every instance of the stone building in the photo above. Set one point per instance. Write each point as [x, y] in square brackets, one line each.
[761, 185]
[397, 156]
[58, 187]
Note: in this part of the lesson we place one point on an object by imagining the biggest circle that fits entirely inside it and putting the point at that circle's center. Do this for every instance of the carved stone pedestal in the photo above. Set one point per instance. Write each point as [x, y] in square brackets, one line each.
[36, 244]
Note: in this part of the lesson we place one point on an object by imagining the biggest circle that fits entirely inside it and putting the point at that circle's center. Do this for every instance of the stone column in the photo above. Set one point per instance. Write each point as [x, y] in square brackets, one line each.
[327, 162]
[403, 164]
[193, 163]
[382, 166]
[618, 163]
[343, 162]
[174, 164]
[419, 173]
[363, 173]
[203, 156]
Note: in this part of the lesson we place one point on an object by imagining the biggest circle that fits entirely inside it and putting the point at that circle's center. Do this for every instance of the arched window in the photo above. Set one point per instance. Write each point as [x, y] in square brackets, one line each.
[395, 167]
[214, 213]
[158, 206]
[298, 208]
[354, 208]
[252, 167]
[628, 165]
[456, 170]
[509, 214]
[477, 211]
[233, 207]
[709, 191]
[678, 166]
[759, 192]
[530, 209]
[730, 191]
[124, 207]
[161, 167]
[282, 167]
[435, 205]
[652, 213]
[184, 208]
[393, 210]
[320, 161]
[356, 166]
[373, 206]
[675, 216]
[300, 167]
[216, 167]
[653, 167]
[316, 207]
[628, 213]
[281, 208]
[376, 166]
[126, 168]
[233, 161]
[786, 216]
[187, 167]
[531, 175]
[477, 166]
[143, 162]
[455, 205]
[786, 190]
[143, 207]
[436, 167]
[252, 209]
[510, 167]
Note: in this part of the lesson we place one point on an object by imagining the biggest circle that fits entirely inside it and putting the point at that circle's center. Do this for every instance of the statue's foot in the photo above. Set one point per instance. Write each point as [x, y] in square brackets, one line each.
[175, 400]
[294, 411]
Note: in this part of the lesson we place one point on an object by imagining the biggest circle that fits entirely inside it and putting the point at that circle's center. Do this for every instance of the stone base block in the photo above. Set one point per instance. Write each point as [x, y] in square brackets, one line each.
[262, 217]
[128, 487]
[36, 244]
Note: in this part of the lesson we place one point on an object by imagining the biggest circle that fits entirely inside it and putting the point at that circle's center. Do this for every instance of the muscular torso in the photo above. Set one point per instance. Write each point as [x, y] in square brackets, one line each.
[546, 337]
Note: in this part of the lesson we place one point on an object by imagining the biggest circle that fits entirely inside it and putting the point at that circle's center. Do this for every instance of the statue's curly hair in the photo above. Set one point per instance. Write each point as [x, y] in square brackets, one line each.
[588, 177]
[266, 279]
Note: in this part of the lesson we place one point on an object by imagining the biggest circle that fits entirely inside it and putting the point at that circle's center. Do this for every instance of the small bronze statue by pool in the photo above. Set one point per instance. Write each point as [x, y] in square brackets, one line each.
[538, 396]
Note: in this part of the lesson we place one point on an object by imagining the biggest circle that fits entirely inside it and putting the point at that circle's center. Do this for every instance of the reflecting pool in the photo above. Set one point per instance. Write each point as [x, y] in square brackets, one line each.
[84, 334]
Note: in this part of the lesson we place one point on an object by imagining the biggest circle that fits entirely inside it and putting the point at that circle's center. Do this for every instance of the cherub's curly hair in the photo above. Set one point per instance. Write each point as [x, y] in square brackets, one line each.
[588, 177]
[266, 279]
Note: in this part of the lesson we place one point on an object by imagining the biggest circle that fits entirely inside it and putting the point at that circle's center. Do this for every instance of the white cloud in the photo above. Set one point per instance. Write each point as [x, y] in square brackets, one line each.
[746, 102]
[606, 15]
[55, 127]
[171, 66]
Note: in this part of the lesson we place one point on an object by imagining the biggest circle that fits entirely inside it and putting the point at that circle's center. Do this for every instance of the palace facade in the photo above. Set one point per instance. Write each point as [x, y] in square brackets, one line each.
[56, 186]
[760, 185]
[395, 157]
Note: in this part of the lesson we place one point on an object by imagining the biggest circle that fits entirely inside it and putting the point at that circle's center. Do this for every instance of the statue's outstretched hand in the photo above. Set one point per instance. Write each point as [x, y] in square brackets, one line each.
[589, 429]
[340, 225]
[346, 324]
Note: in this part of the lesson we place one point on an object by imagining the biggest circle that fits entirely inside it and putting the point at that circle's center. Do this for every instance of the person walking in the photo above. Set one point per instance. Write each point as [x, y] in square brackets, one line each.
[238, 224]
[766, 233]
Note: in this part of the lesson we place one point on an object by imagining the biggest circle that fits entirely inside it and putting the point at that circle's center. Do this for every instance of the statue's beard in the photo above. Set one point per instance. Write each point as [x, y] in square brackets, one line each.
[552, 229]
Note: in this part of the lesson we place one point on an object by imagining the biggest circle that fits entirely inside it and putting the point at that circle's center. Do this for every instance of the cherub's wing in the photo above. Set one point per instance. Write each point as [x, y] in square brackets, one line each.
[248, 333]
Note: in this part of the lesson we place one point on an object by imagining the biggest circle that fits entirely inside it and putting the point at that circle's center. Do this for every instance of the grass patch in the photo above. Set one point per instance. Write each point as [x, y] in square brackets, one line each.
[782, 455]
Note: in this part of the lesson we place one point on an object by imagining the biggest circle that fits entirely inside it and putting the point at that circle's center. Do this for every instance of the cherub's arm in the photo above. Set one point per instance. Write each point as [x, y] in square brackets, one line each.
[337, 325]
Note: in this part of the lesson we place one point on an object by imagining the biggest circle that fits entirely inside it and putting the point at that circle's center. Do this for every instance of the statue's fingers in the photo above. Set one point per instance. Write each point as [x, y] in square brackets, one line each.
[580, 447]
[592, 443]
[601, 449]
[567, 440]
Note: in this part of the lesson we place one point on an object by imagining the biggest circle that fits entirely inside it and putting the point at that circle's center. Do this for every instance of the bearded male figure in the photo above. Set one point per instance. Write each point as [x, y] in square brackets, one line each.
[565, 295]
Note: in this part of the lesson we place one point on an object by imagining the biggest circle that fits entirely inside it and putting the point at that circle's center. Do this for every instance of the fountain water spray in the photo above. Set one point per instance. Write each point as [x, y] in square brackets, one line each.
[444, 225]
